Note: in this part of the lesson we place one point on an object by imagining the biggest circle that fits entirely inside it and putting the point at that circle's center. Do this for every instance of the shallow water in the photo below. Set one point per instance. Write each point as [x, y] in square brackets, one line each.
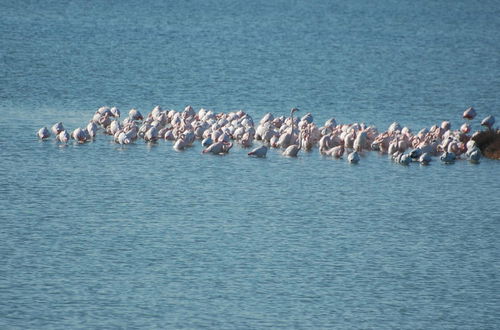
[142, 236]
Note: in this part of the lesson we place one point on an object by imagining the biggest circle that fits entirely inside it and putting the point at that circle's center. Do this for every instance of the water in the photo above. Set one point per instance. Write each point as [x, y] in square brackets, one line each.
[102, 236]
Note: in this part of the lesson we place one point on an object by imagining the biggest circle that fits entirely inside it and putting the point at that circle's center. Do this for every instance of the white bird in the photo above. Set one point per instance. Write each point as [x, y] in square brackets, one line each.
[470, 113]
[180, 143]
[169, 135]
[207, 141]
[115, 112]
[446, 125]
[308, 117]
[57, 128]
[267, 117]
[246, 140]
[337, 151]
[63, 137]
[416, 153]
[113, 127]
[448, 157]
[292, 151]
[474, 155]
[404, 159]
[43, 133]
[92, 129]
[331, 123]
[123, 138]
[218, 148]
[151, 135]
[465, 128]
[425, 158]
[488, 121]
[79, 135]
[394, 127]
[360, 141]
[353, 157]
[258, 152]
[471, 144]
[134, 114]
[104, 111]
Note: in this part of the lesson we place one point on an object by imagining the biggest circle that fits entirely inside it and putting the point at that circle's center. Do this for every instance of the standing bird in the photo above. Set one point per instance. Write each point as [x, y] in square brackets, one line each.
[207, 141]
[134, 114]
[488, 121]
[258, 152]
[425, 159]
[123, 138]
[416, 153]
[470, 113]
[63, 137]
[465, 128]
[287, 138]
[79, 135]
[474, 156]
[57, 128]
[353, 157]
[218, 148]
[337, 151]
[115, 112]
[448, 157]
[404, 159]
[292, 151]
[151, 135]
[43, 133]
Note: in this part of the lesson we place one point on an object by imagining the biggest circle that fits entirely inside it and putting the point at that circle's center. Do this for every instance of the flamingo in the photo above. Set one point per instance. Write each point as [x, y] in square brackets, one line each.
[123, 138]
[151, 135]
[258, 152]
[246, 140]
[115, 112]
[465, 128]
[43, 133]
[292, 150]
[287, 139]
[134, 114]
[207, 141]
[353, 157]
[218, 148]
[181, 143]
[57, 128]
[360, 141]
[425, 158]
[393, 128]
[404, 159]
[469, 113]
[416, 153]
[79, 135]
[308, 117]
[445, 125]
[448, 157]
[488, 122]
[474, 156]
[104, 120]
[337, 151]
[218, 131]
[268, 117]
[169, 135]
[63, 137]
[92, 129]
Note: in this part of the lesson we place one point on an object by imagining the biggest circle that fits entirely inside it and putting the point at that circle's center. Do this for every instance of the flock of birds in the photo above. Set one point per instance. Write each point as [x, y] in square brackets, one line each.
[218, 132]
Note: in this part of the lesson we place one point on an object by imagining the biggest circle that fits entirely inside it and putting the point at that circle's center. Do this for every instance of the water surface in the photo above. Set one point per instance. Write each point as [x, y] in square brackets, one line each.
[142, 236]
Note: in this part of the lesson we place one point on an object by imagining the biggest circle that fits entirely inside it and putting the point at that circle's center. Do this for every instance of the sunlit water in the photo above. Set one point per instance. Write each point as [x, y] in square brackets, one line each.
[142, 236]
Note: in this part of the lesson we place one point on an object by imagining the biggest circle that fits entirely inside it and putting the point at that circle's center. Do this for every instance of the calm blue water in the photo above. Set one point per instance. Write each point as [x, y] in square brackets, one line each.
[102, 236]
